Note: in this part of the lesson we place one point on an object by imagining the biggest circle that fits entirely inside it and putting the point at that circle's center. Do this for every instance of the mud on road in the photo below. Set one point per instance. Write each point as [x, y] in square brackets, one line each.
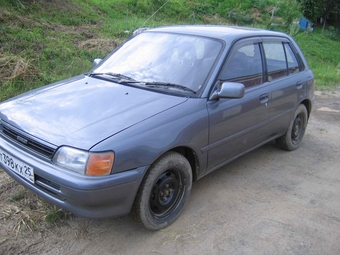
[267, 202]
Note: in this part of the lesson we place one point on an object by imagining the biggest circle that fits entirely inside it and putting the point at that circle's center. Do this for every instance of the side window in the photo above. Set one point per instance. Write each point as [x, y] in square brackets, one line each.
[281, 60]
[244, 65]
[275, 59]
[293, 64]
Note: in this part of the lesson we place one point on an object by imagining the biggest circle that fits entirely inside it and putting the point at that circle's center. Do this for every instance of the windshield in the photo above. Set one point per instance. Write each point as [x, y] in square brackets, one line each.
[161, 57]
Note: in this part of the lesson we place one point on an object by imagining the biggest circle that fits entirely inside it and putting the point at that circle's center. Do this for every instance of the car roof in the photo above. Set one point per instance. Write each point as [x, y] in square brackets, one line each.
[227, 33]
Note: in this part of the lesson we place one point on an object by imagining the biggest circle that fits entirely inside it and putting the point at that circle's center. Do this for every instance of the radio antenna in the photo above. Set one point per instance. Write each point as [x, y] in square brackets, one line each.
[154, 13]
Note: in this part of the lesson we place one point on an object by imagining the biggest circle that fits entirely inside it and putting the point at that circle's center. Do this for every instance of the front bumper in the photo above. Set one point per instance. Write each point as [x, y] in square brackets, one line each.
[85, 196]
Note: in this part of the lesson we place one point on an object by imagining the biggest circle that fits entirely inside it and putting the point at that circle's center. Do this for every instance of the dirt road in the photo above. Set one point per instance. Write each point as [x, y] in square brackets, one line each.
[267, 202]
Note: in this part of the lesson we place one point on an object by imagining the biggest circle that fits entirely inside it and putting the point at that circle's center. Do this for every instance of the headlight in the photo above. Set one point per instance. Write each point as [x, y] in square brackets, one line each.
[84, 162]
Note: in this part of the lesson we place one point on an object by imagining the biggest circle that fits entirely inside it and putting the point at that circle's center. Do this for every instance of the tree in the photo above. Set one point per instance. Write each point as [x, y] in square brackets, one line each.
[327, 11]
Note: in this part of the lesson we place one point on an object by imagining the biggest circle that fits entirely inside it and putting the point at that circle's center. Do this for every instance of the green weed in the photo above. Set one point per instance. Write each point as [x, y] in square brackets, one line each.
[20, 195]
[56, 215]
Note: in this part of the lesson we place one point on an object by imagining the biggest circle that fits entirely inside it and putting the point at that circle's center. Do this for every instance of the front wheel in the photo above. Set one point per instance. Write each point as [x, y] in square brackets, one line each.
[296, 130]
[163, 192]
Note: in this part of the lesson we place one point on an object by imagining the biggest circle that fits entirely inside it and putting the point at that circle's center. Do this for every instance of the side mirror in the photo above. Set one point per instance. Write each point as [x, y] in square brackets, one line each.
[96, 62]
[229, 90]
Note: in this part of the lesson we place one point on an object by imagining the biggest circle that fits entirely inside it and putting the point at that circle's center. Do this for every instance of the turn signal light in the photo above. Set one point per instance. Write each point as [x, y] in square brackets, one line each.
[100, 163]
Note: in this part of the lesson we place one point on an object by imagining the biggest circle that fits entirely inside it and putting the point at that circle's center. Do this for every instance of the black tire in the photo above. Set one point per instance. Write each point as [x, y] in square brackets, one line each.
[163, 192]
[292, 138]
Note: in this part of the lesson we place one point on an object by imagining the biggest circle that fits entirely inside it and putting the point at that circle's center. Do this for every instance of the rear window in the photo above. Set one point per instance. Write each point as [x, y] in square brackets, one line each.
[280, 60]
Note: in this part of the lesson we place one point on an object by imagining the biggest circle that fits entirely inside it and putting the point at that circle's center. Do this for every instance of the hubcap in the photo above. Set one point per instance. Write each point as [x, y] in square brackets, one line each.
[166, 193]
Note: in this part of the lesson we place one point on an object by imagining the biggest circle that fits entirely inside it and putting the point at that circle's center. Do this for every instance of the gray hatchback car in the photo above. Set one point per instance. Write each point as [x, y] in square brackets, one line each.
[167, 107]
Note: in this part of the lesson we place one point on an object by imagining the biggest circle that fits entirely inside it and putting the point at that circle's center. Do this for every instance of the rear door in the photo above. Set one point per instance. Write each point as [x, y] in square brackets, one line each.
[287, 84]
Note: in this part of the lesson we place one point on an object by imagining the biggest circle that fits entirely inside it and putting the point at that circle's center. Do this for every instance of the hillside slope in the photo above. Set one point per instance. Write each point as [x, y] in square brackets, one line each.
[44, 41]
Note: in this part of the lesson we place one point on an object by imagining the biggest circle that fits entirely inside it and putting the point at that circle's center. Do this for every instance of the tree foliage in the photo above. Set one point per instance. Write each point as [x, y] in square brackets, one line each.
[326, 11]
[288, 10]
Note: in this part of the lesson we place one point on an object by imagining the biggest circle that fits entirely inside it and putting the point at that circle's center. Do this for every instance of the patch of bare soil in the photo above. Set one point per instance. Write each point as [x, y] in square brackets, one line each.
[267, 202]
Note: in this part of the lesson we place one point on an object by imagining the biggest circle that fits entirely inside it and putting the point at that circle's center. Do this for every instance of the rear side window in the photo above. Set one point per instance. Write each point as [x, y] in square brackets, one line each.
[293, 65]
[280, 59]
[244, 65]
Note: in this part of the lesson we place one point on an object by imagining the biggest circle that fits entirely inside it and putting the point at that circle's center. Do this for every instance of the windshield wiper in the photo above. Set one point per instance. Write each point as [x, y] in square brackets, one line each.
[167, 84]
[126, 79]
[115, 75]
[160, 84]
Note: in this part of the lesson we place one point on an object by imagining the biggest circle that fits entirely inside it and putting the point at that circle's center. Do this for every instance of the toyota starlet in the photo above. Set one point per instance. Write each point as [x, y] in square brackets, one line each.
[164, 109]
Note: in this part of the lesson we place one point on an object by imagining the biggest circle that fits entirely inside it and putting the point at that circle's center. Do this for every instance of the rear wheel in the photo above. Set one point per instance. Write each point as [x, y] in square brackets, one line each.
[296, 130]
[164, 191]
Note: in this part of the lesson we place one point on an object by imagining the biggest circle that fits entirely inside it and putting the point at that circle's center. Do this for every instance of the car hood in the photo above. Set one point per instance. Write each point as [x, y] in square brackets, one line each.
[83, 111]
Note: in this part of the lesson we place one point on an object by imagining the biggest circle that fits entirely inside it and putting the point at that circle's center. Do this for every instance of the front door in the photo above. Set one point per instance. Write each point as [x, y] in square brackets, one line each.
[238, 125]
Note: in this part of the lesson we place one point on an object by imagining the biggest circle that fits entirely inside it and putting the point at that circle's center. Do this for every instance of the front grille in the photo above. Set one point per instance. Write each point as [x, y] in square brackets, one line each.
[27, 141]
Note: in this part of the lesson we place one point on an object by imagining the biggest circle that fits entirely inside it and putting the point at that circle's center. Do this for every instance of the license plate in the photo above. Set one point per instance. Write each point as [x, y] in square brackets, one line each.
[17, 166]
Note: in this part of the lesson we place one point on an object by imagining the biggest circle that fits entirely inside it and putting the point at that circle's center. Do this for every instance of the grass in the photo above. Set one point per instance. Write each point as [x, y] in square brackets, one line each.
[48, 44]
[28, 212]
[48, 40]
[19, 196]
[323, 57]
[56, 215]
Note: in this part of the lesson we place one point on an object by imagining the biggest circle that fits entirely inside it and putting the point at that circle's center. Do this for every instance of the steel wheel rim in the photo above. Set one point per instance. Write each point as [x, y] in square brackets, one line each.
[297, 129]
[167, 193]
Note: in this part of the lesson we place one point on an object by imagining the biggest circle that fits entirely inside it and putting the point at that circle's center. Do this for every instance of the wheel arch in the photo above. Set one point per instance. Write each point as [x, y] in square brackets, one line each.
[308, 104]
[191, 156]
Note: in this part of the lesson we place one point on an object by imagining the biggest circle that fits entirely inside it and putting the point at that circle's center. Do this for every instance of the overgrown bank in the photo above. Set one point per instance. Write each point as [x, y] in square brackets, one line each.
[48, 40]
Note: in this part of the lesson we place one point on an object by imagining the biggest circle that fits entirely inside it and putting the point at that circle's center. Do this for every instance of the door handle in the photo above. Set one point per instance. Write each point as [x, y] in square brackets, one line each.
[264, 98]
[299, 85]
